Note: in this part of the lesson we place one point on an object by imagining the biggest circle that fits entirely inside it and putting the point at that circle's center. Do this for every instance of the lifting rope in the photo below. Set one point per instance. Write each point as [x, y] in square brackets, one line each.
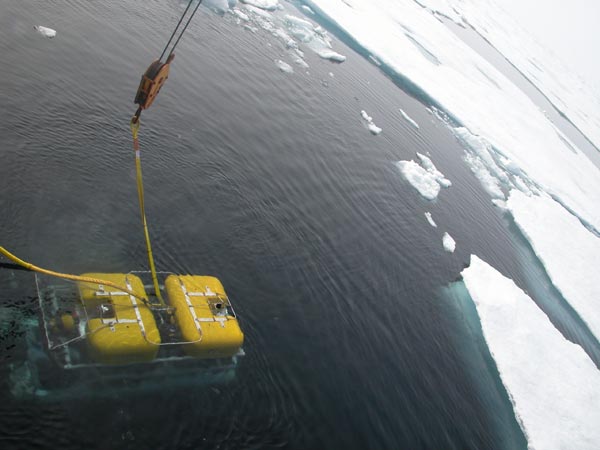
[152, 80]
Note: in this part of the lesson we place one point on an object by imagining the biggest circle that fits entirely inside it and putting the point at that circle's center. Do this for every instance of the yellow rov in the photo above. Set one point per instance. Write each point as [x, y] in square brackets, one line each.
[127, 327]
[150, 321]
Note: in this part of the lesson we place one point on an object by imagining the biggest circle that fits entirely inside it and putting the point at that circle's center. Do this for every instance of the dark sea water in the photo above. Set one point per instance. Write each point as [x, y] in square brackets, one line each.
[271, 182]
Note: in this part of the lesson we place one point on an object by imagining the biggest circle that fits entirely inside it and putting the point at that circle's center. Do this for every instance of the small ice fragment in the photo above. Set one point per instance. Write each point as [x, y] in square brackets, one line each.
[375, 60]
[241, 15]
[448, 242]
[411, 121]
[374, 129]
[301, 62]
[329, 54]
[258, 11]
[269, 5]
[307, 9]
[331, 74]
[430, 167]
[46, 32]
[430, 219]
[500, 204]
[284, 67]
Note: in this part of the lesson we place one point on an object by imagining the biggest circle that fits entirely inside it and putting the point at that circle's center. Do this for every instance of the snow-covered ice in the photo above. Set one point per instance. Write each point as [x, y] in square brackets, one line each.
[407, 117]
[566, 91]
[553, 385]
[430, 219]
[448, 243]
[412, 42]
[424, 177]
[374, 129]
[284, 67]
[44, 31]
[569, 252]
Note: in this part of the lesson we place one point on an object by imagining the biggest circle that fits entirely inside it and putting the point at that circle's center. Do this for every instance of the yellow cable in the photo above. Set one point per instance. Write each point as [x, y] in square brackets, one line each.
[65, 276]
[135, 125]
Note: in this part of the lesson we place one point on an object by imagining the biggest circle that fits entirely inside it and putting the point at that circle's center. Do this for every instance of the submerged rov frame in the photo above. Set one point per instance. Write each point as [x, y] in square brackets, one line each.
[90, 339]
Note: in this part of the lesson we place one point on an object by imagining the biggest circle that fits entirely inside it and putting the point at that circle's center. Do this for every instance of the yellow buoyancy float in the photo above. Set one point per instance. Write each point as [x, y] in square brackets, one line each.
[121, 327]
[204, 316]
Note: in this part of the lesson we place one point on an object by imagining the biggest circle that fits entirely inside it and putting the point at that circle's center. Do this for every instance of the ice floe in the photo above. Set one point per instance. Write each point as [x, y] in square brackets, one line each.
[44, 31]
[553, 385]
[569, 252]
[374, 129]
[410, 41]
[407, 117]
[424, 177]
[448, 243]
[430, 219]
[565, 90]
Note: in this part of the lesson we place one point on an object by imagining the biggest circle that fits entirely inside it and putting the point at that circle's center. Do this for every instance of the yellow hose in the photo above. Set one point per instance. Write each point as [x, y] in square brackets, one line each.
[64, 276]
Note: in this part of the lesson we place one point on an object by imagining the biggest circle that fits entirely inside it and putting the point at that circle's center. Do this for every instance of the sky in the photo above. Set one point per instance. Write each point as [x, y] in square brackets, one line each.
[570, 28]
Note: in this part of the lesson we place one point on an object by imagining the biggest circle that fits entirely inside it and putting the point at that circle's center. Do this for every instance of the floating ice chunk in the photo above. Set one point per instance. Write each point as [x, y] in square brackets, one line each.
[258, 11]
[425, 178]
[298, 60]
[268, 5]
[375, 60]
[301, 29]
[284, 67]
[374, 129]
[430, 167]
[487, 180]
[482, 148]
[553, 385]
[448, 243]
[411, 121]
[329, 54]
[286, 38]
[501, 204]
[331, 74]
[46, 32]
[241, 15]
[568, 251]
[420, 179]
[430, 219]
[307, 9]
